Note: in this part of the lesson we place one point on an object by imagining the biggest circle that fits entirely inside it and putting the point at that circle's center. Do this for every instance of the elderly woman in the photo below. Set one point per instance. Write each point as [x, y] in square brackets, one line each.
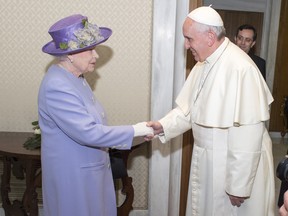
[77, 178]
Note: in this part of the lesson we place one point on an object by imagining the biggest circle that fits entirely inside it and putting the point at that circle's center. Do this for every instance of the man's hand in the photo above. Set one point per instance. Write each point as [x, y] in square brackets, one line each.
[236, 201]
[157, 128]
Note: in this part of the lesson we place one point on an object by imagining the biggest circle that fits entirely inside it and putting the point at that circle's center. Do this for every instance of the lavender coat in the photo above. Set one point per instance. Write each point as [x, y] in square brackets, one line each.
[76, 174]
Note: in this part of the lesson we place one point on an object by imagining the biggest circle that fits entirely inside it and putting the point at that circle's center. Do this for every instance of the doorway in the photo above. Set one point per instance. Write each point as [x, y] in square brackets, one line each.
[280, 86]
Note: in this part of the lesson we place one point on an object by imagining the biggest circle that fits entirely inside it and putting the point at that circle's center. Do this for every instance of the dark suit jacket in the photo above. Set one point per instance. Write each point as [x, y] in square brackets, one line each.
[261, 64]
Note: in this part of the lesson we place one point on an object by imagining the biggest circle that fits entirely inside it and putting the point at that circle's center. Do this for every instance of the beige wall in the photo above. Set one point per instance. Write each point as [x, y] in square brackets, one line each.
[121, 80]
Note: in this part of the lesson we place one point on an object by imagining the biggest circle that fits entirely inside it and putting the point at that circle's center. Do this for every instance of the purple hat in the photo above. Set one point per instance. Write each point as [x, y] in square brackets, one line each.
[74, 34]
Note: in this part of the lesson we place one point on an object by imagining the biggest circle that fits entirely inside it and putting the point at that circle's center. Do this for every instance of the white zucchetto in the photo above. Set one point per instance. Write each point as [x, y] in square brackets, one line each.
[206, 15]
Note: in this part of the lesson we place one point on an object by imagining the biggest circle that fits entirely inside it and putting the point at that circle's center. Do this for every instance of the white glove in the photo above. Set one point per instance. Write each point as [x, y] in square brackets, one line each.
[140, 129]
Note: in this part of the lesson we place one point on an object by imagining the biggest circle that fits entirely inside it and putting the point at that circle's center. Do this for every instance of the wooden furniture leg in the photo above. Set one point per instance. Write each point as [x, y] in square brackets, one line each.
[127, 190]
[15, 209]
[30, 200]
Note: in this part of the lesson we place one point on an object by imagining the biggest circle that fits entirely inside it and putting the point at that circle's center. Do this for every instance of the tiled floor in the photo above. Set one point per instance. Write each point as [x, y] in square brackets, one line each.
[280, 147]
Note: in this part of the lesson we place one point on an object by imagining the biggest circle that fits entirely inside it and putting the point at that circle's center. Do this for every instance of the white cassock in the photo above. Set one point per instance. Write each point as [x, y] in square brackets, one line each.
[226, 102]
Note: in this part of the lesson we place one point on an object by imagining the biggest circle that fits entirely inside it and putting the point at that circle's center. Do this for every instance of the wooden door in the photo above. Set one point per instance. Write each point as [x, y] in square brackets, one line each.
[233, 19]
[280, 86]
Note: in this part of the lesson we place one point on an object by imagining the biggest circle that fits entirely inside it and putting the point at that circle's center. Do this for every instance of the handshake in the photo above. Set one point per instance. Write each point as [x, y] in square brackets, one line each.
[147, 129]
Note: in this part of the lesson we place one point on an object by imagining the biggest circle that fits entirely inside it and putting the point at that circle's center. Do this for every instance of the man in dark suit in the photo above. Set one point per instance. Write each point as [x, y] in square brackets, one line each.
[245, 38]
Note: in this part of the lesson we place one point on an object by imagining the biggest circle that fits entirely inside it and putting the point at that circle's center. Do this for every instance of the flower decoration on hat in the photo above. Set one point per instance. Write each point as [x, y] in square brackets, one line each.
[74, 34]
[83, 37]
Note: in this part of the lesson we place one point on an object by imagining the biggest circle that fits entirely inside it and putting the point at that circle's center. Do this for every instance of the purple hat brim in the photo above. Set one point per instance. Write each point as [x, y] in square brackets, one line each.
[51, 49]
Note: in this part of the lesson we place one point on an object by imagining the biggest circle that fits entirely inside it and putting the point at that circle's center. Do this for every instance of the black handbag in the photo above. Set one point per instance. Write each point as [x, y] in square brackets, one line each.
[118, 165]
[282, 174]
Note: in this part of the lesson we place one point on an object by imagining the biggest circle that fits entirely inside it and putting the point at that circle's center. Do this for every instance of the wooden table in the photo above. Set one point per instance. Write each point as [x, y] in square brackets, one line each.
[11, 148]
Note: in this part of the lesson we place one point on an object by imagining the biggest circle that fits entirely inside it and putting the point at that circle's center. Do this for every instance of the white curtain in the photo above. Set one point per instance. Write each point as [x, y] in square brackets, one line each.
[168, 76]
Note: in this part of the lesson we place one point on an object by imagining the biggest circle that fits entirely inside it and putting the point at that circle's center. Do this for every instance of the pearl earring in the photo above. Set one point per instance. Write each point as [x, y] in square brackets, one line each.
[70, 59]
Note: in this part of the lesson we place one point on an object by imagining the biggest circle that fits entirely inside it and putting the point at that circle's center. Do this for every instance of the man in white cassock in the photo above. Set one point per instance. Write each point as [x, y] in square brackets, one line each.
[226, 102]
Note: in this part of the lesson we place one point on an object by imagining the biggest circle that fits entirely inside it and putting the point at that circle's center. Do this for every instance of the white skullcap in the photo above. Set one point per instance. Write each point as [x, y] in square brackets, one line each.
[206, 15]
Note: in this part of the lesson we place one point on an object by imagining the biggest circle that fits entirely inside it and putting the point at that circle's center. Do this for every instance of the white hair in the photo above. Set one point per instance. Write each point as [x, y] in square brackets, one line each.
[220, 31]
